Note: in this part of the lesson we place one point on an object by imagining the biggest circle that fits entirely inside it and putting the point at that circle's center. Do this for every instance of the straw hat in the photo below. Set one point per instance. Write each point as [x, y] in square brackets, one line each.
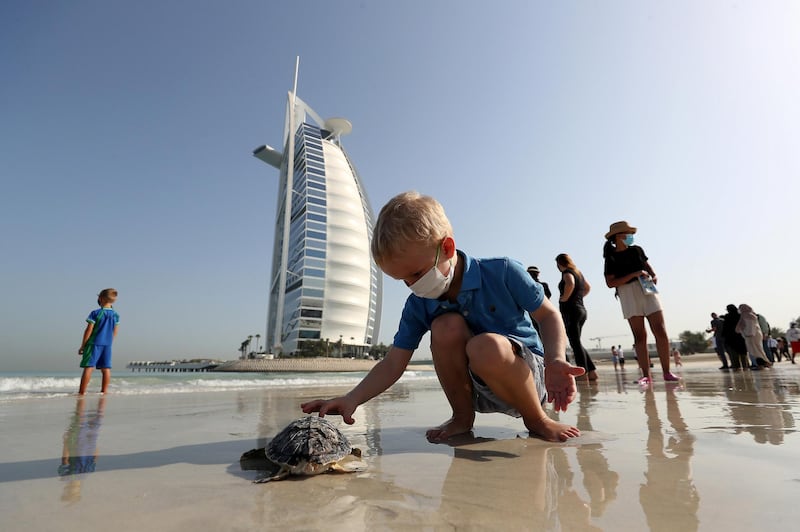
[533, 269]
[619, 227]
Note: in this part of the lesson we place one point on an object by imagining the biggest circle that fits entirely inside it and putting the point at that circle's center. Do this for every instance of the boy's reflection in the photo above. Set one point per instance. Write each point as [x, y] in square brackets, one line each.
[599, 480]
[669, 498]
[79, 451]
[519, 484]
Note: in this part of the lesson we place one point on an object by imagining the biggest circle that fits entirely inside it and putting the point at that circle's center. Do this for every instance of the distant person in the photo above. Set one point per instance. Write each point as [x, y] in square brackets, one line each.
[719, 340]
[772, 344]
[621, 357]
[753, 338]
[572, 288]
[793, 339]
[734, 342]
[614, 356]
[487, 355]
[765, 332]
[534, 272]
[101, 329]
[676, 358]
[628, 271]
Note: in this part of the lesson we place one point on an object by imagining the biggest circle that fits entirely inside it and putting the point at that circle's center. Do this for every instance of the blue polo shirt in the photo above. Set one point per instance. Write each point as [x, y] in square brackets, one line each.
[496, 295]
[104, 320]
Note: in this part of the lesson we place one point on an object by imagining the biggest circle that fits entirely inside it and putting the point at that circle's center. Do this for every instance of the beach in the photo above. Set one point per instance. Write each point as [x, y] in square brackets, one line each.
[715, 452]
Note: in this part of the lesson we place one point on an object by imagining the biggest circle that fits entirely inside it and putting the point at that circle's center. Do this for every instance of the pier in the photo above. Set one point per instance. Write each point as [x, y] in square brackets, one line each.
[176, 366]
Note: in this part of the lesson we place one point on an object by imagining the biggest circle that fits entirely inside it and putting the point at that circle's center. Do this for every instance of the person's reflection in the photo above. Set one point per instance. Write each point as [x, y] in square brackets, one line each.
[599, 481]
[669, 498]
[79, 450]
[756, 408]
[518, 484]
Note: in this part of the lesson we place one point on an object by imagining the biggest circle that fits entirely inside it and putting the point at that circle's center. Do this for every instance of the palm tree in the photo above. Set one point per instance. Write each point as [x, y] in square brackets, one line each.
[249, 340]
[258, 339]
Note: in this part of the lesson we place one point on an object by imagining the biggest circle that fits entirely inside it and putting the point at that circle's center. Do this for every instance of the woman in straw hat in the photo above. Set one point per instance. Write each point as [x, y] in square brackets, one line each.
[627, 270]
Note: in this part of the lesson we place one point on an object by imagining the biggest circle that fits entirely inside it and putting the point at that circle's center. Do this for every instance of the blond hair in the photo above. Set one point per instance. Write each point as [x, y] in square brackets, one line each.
[408, 218]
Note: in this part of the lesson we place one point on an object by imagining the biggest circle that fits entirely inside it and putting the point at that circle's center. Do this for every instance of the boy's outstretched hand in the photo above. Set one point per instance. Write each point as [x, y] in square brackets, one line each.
[559, 380]
[339, 406]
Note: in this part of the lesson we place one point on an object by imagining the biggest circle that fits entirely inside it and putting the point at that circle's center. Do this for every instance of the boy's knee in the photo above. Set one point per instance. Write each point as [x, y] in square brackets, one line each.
[450, 327]
[485, 350]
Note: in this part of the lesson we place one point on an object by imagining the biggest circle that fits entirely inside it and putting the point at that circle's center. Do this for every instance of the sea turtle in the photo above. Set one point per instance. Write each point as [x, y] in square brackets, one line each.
[307, 446]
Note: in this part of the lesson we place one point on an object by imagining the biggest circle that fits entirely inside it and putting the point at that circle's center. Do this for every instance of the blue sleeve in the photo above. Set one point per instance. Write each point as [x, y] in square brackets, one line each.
[92, 317]
[412, 325]
[116, 318]
[527, 293]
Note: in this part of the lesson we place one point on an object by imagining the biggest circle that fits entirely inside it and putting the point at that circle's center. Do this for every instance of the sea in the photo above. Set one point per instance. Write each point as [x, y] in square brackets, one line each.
[16, 386]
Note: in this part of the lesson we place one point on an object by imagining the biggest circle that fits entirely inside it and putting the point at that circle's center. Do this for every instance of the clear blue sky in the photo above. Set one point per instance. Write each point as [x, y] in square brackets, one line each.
[126, 131]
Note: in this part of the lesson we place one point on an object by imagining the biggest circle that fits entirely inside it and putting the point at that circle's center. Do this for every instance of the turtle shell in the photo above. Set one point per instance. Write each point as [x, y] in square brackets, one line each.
[308, 446]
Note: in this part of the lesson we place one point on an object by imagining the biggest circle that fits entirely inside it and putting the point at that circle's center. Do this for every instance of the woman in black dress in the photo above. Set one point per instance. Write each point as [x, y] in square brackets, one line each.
[572, 289]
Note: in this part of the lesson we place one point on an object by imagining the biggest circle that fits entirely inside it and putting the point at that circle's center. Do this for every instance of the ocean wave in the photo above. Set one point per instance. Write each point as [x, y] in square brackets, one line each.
[41, 387]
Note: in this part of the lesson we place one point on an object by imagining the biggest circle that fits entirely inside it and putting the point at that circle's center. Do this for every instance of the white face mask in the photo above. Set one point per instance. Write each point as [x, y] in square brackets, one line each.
[434, 283]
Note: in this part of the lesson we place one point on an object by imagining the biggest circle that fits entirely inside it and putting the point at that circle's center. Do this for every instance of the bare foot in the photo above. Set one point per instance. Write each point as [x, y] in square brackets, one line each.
[550, 430]
[592, 375]
[451, 427]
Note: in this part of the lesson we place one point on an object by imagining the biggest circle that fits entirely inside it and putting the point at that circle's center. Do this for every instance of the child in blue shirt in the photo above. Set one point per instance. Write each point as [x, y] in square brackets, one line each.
[101, 328]
[486, 352]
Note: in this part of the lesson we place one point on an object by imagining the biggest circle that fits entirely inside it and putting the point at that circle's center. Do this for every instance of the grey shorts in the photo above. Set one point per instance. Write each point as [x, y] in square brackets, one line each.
[484, 400]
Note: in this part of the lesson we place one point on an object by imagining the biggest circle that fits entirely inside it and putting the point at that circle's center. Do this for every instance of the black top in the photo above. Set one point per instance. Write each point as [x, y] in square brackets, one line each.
[576, 297]
[621, 263]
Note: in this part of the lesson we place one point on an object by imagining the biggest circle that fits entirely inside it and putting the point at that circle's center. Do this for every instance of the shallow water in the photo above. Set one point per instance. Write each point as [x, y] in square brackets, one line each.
[716, 452]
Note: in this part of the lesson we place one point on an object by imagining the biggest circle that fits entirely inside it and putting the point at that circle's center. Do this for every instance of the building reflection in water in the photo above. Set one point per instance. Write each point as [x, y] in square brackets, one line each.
[79, 449]
[668, 497]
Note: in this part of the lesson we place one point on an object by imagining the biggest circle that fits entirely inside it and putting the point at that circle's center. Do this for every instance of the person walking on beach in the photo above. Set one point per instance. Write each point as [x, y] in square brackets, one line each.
[734, 342]
[719, 341]
[486, 353]
[614, 357]
[534, 272]
[676, 358]
[572, 289]
[753, 338]
[793, 339]
[628, 271]
[101, 329]
[621, 357]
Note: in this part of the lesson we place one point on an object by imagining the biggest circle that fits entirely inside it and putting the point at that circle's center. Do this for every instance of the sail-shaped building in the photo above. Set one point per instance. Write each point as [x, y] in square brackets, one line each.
[324, 284]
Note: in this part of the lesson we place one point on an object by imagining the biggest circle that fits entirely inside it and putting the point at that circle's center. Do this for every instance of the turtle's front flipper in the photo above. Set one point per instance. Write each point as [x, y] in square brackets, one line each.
[350, 464]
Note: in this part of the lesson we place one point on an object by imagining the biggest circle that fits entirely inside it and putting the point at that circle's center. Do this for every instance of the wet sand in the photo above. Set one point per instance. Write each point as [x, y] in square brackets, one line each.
[715, 452]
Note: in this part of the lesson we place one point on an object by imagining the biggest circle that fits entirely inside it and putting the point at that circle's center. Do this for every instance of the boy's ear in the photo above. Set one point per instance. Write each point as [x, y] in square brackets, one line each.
[449, 247]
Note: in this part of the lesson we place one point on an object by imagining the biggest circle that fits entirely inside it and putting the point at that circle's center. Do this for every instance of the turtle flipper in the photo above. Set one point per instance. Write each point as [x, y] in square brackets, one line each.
[280, 475]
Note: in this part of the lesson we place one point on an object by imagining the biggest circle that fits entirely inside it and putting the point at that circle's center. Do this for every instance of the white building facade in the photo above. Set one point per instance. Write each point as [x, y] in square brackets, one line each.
[324, 284]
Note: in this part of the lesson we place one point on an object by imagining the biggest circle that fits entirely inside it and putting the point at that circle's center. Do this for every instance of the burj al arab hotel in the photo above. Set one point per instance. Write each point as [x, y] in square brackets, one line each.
[324, 284]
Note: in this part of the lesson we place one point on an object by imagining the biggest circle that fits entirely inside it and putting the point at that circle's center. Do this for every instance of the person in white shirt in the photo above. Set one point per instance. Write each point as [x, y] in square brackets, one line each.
[793, 337]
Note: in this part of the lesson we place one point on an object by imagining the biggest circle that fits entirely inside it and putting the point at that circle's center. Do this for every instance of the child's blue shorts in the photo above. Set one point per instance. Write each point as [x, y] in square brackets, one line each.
[96, 356]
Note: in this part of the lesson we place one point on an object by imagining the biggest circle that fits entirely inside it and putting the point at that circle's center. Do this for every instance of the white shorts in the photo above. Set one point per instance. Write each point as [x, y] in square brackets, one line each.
[635, 302]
